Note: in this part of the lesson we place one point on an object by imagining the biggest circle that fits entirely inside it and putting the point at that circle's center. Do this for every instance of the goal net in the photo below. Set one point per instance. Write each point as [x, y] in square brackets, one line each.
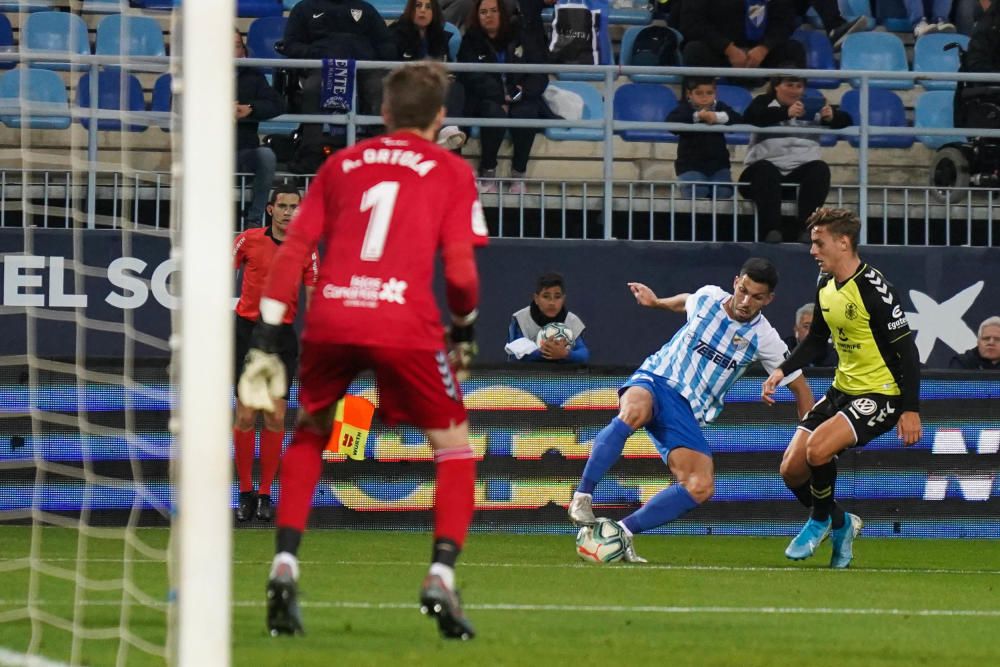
[116, 214]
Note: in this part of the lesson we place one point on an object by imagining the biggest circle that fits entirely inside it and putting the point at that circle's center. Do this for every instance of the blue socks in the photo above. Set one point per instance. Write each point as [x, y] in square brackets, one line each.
[608, 446]
[667, 505]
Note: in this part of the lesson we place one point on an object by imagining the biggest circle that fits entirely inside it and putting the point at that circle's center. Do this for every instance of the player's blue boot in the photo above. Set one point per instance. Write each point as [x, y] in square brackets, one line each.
[805, 543]
[842, 540]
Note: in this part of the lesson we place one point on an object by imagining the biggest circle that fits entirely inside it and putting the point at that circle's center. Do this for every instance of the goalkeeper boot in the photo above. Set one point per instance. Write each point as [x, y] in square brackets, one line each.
[581, 510]
[247, 507]
[630, 555]
[283, 617]
[444, 604]
[265, 508]
[805, 543]
[842, 540]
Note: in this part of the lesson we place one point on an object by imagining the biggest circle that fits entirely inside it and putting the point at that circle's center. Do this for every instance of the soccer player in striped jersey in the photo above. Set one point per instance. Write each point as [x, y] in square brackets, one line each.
[682, 386]
[253, 252]
[876, 386]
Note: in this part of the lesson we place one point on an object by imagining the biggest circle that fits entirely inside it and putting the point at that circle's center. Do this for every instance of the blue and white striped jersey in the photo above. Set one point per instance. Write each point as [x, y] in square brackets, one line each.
[712, 350]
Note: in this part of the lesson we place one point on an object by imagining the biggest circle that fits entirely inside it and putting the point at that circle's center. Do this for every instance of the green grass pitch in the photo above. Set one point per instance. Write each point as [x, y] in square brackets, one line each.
[700, 601]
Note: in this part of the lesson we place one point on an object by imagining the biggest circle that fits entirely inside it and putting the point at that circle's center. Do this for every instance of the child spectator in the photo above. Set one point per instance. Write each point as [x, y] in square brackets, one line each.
[547, 305]
[703, 156]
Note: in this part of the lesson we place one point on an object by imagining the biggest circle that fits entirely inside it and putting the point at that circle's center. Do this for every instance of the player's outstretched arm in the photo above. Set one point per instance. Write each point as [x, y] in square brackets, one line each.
[771, 385]
[645, 296]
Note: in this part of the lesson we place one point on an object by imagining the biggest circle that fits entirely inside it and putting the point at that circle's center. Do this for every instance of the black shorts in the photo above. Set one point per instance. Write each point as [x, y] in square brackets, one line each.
[870, 415]
[288, 347]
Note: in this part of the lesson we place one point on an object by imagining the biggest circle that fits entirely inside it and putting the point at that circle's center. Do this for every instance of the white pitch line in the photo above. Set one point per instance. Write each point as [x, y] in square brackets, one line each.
[10, 658]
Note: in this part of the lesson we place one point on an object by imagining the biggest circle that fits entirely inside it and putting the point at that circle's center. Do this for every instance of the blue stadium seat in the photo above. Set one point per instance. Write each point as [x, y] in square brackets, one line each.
[109, 97]
[892, 14]
[885, 109]
[42, 89]
[291, 3]
[819, 55]
[142, 34]
[824, 139]
[6, 41]
[262, 35]
[738, 98]
[851, 9]
[625, 54]
[637, 14]
[101, 6]
[30, 5]
[55, 32]
[163, 96]
[929, 56]
[156, 4]
[878, 52]
[389, 9]
[257, 8]
[593, 109]
[935, 108]
[644, 102]
[454, 41]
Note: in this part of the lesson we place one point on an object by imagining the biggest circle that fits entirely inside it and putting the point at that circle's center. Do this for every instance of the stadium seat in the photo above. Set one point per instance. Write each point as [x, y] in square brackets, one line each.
[935, 108]
[290, 3]
[929, 56]
[738, 98]
[885, 109]
[824, 139]
[892, 14]
[156, 4]
[262, 35]
[626, 50]
[30, 6]
[6, 41]
[636, 14]
[55, 33]
[878, 52]
[593, 109]
[257, 8]
[163, 96]
[389, 9]
[142, 34]
[101, 6]
[42, 89]
[454, 42]
[819, 55]
[645, 102]
[851, 9]
[109, 97]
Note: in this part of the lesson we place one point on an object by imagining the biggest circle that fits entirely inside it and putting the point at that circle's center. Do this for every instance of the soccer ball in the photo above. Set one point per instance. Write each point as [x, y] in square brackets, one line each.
[604, 542]
[554, 331]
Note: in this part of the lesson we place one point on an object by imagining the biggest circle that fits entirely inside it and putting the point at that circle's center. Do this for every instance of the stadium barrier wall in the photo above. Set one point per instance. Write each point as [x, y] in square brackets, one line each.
[944, 290]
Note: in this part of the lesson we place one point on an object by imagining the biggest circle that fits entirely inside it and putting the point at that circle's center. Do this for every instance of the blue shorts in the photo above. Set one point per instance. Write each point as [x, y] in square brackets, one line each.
[673, 424]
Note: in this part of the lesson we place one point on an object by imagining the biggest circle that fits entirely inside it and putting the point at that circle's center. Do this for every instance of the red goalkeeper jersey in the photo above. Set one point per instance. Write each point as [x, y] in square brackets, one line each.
[255, 250]
[383, 209]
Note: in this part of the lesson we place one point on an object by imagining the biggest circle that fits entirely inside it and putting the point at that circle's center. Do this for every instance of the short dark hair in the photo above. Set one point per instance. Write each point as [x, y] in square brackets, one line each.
[840, 222]
[550, 279]
[692, 82]
[284, 189]
[414, 94]
[791, 78]
[760, 270]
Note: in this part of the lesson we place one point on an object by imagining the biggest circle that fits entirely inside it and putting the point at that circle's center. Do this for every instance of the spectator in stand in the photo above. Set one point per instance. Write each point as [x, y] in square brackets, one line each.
[702, 156]
[985, 356]
[824, 357]
[419, 34]
[984, 43]
[256, 100]
[547, 305]
[776, 159]
[834, 24]
[341, 29]
[740, 34]
[967, 12]
[936, 10]
[492, 36]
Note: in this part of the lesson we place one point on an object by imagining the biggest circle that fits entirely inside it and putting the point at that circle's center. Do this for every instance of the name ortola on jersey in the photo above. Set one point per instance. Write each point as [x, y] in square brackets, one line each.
[392, 156]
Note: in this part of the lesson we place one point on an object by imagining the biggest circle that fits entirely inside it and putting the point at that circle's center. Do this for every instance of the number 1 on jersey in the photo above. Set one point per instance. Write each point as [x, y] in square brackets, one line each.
[380, 199]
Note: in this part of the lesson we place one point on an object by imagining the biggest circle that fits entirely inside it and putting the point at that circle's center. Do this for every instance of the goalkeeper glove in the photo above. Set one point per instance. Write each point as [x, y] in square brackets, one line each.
[462, 348]
[263, 378]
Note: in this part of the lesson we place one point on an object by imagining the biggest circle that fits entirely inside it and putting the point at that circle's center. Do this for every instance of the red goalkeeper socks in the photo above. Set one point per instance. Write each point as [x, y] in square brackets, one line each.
[454, 495]
[243, 442]
[300, 470]
[270, 457]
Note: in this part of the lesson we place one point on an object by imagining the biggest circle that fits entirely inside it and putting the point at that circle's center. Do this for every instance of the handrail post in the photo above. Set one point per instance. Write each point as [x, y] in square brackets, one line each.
[863, 160]
[92, 148]
[609, 150]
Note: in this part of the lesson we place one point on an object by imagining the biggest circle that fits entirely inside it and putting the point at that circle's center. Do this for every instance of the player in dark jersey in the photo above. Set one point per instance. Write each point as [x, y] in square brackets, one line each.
[876, 386]
[384, 209]
[253, 252]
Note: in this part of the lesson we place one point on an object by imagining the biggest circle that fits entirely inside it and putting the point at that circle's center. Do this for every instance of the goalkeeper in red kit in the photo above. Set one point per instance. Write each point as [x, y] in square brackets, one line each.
[384, 209]
[253, 253]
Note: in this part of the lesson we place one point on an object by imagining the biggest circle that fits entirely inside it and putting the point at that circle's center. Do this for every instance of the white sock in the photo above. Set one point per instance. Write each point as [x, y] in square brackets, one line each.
[285, 558]
[446, 573]
[624, 529]
[577, 494]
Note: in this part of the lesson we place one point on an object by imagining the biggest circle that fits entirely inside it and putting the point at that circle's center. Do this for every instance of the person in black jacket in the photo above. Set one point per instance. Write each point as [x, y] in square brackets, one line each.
[984, 42]
[774, 159]
[702, 156]
[419, 34]
[340, 29]
[986, 355]
[256, 100]
[824, 357]
[740, 34]
[492, 37]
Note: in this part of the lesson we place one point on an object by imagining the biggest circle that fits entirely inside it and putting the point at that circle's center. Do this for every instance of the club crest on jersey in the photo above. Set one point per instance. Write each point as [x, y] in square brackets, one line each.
[865, 406]
[356, 15]
[851, 311]
[739, 342]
